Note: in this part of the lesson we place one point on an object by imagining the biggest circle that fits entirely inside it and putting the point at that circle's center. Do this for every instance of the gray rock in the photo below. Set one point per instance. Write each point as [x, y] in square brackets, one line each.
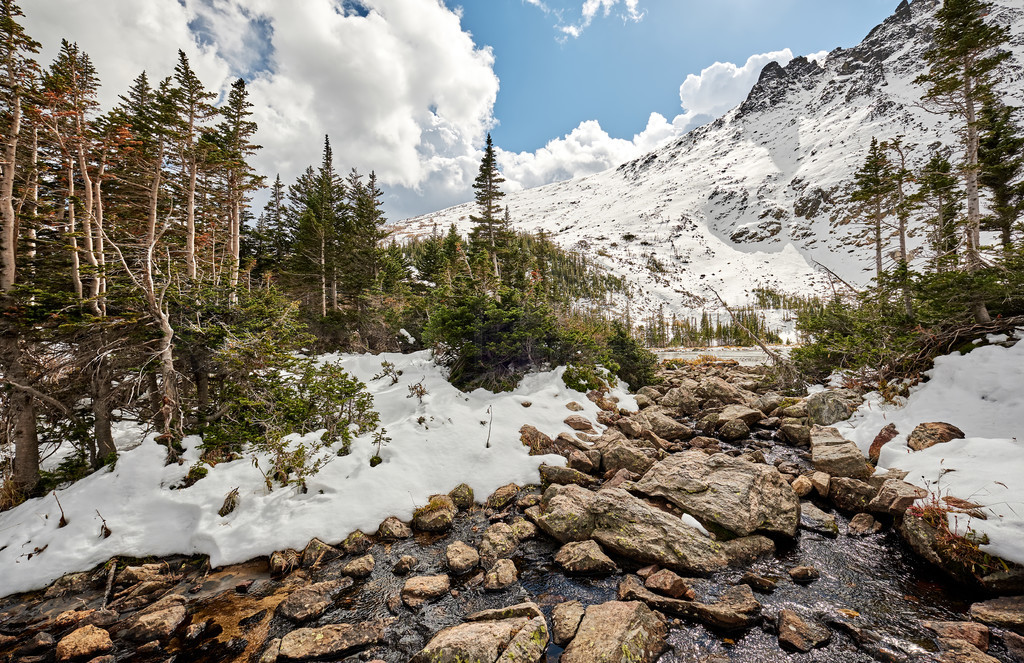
[553, 474]
[628, 457]
[735, 609]
[565, 513]
[617, 632]
[895, 497]
[826, 408]
[814, 519]
[159, 621]
[769, 402]
[681, 400]
[666, 427]
[799, 635]
[1004, 612]
[748, 416]
[850, 494]
[502, 575]
[461, 557]
[334, 641]
[565, 621]
[839, 457]
[529, 644]
[720, 390]
[737, 495]
[733, 430]
[422, 589]
[796, 434]
[584, 558]
[629, 527]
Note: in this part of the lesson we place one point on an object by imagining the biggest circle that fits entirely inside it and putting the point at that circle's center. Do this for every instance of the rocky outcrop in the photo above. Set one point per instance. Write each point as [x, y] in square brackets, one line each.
[739, 496]
[617, 632]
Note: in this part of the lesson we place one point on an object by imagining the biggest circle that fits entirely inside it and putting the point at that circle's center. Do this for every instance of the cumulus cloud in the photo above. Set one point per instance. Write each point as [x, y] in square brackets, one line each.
[818, 57]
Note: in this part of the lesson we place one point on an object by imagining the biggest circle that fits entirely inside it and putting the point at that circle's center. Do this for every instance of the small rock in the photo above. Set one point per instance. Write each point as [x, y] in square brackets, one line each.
[796, 434]
[283, 562]
[462, 496]
[820, 481]
[884, 437]
[501, 575]
[814, 519]
[272, 651]
[895, 497]
[802, 486]
[523, 529]
[972, 632]
[579, 422]
[565, 620]
[585, 558]
[85, 642]
[804, 574]
[863, 524]
[758, 583]
[573, 406]
[498, 541]
[334, 641]
[553, 474]
[929, 434]
[356, 543]
[422, 589]
[392, 529]
[311, 601]
[503, 497]
[461, 557]
[578, 461]
[538, 442]
[159, 621]
[734, 430]
[796, 634]
[317, 552]
[529, 610]
[826, 408]
[670, 584]
[437, 515]
[360, 567]
[851, 494]
[405, 564]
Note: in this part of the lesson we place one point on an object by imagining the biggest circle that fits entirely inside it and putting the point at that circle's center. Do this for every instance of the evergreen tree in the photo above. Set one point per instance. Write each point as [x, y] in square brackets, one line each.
[874, 189]
[1001, 158]
[489, 229]
[941, 196]
[962, 69]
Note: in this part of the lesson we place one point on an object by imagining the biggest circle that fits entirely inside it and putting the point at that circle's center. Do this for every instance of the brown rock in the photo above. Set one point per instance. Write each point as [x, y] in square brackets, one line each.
[863, 524]
[884, 437]
[437, 515]
[929, 434]
[1005, 612]
[360, 567]
[820, 481]
[501, 575]
[961, 651]
[565, 621]
[461, 557]
[670, 584]
[579, 422]
[392, 528]
[617, 632]
[462, 496]
[502, 497]
[553, 474]
[972, 632]
[311, 601]
[83, 643]
[422, 589]
[584, 558]
[538, 442]
[317, 552]
[804, 574]
[796, 634]
[573, 406]
[802, 486]
[334, 641]
[472, 641]
[499, 540]
[356, 543]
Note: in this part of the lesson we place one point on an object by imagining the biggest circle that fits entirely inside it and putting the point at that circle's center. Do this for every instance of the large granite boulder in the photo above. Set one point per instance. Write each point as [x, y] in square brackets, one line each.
[565, 513]
[617, 632]
[834, 454]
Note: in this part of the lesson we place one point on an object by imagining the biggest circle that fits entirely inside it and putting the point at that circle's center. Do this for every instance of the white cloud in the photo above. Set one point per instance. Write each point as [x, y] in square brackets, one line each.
[818, 57]
[589, 10]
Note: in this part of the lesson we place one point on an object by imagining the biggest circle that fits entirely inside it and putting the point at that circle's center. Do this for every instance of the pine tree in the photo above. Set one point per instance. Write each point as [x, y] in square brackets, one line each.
[904, 206]
[1001, 158]
[963, 63]
[941, 196]
[874, 189]
[489, 223]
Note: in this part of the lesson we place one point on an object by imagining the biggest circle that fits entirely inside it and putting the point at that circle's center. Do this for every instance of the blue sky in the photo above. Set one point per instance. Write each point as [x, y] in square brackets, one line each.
[619, 70]
[409, 88]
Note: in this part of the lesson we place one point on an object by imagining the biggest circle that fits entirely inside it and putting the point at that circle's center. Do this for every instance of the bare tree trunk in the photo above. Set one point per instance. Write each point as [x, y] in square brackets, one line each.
[973, 253]
[30, 245]
[22, 404]
[76, 267]
[878, 241]
[8, 233]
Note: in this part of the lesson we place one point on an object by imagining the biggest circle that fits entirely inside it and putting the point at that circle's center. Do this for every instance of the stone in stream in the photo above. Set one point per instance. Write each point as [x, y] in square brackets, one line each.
[422, 589]
[472, 641]
[502, 575]
[361, 567]
[617, 632]
[311, 601]
[628, 526]
[461, 557]
[318, 552]
[356, 543]
[804, 574]
[863, 524]
[405, 564]
[851, 494]
[961, 651]
[929, 434]
[895, 497]
[737, 495]
[565, 513]
[334, 641]
[799, 635]
[502, 497]
[565, 621]
[802, 486]
[814, 519]
[796, 434]
[499, 540]
[670, 584]
[758, 583]
[832, 453]
[527, 609]
[749, 416]
[733, 430]
[1004, 612]
[735, 609]
[436, 516]
[972, 632]
[159, 621]
[584, 558]
[84, 643]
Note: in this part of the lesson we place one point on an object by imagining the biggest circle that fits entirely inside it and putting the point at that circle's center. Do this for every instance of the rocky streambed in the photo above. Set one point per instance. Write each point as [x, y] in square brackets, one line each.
[721, 522]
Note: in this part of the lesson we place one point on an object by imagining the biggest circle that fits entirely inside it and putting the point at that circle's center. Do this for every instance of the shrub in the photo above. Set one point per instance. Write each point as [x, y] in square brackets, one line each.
[637, 365]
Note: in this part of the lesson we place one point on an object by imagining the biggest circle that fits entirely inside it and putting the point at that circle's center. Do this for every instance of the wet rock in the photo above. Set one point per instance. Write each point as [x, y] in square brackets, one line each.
[670, 584]
[461, 557]
[462, 496]
[528, 609]
[360, 567]
[334, 641]
[737, 495]
[579, 422]
[814, 519]
[921, 537]
[502, 575]
[802, 486]
[472, 641]
[283, 562]
[393, 529]
[626, 457]
[820, 481]
[538, 442]
[758, 583]
[804, 574]
[423, 589]
[436, 516]
[311, 601]
[356, 543]
[883, 438]
[617, 632]
[565, 621]
[796, 434]
[681, 400]
[523, 529]
[565, 513]
[159, 621]
[133, 575]
[271, 652]
[863, 524]
[832, 453]
[629, 527]
[101, 618]
[735, 609]
[503, 497]
[972, 632]
[405, 564]
[498, 541]
[850, 494]
[798, 635]
[552, 474]
[37, 644]
[733, 430]
[584, 558]
[929, 434]
[747, 549]
[317, 552]
[961, 651]
[826, 408]
[84, 643]
[1005, 612]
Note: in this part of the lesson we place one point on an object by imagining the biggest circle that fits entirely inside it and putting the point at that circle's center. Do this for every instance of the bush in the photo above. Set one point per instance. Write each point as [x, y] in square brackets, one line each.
[637, 366]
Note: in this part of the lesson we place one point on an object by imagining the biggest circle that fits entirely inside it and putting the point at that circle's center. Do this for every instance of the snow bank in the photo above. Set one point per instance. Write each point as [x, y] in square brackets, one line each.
[982, 393]
[148, 518]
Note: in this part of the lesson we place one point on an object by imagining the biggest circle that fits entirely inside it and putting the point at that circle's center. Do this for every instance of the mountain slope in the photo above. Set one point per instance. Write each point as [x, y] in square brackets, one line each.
[754, 198]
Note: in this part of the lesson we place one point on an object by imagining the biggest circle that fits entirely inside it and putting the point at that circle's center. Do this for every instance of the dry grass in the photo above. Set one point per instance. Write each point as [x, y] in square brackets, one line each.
[962, 550]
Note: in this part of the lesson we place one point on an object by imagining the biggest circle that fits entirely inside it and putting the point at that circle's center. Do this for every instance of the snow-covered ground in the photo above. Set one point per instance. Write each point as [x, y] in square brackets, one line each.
[147, 517]
[982, 393]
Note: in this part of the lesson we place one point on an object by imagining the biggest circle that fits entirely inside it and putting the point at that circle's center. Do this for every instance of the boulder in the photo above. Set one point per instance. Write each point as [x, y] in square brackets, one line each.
[895, 497]
[503, 497]
[735, 494]
[733, 430]
[863, 524]
[769, 402]
[584, 558]
[798, 635]
[565, 621]
[972, 632]
[472, 641]
[796, 434]
[317, 552]
[423, 589]
[670, 584]
[850, 494]
[565, 513]
[311, 601]
[461, 557]
[462, 496]
[392, 529]
[553, 474]
[579, 461]
[538, 442]
[720, 390]
[814, 519]
[529, 645]
[159, 621]
[929, 434]
[1005, 612]
[680, 400]
[625, 456]
[499, 540]
[84, 643]
[502, 575]
[883, 438]
[617, 632]
[748, 416]
[630, 427]
[437, 515]
[666, 427]
[826, 408]
[832, 453]
[335, 641]
[630, 527]
[361, 567]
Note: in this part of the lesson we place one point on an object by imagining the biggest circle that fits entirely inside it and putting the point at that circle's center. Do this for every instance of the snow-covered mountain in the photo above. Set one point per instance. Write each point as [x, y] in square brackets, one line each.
[754, 198]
